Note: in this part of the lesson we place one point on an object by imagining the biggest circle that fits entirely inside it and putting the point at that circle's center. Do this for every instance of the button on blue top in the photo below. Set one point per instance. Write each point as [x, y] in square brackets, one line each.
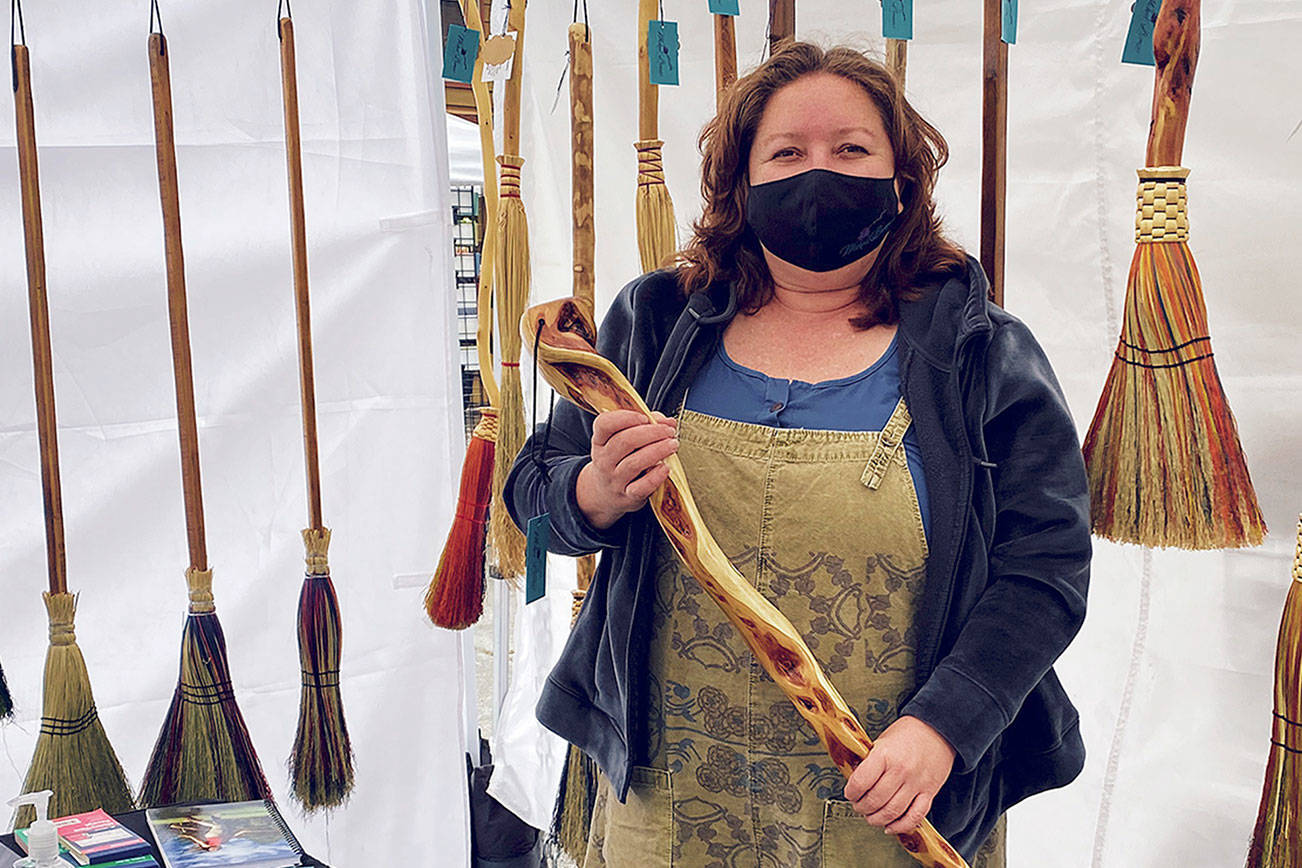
[859, 402]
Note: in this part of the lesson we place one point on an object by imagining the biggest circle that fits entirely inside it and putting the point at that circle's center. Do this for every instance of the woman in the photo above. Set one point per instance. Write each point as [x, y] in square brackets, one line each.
[883, 452]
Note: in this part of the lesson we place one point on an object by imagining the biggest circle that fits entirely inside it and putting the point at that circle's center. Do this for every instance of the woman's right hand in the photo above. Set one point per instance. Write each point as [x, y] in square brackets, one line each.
[628, 454]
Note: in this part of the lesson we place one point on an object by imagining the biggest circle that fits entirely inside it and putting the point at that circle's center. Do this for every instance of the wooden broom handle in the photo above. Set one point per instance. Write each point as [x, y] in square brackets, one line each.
[42, 363]
[581, 151]
[782, 22]
[298, 239]
[488, 245]
[897, 58]
[572, 367]
[1176, 37]
[165, 147]
[648, 94]
[725, 57]
[994, 147]
[511, 99]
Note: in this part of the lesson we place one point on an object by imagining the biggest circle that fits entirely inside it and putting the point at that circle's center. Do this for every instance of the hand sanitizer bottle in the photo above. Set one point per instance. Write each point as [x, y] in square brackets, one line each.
[43, 836]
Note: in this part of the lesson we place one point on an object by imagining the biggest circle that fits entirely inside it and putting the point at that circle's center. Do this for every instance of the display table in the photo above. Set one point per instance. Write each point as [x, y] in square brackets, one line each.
[135, 821]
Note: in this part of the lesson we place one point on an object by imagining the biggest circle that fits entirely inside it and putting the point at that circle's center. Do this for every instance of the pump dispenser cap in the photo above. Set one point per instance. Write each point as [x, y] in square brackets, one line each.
[43, 835]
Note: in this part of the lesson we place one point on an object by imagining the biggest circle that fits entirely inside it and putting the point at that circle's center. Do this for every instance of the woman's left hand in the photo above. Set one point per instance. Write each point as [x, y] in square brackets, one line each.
[894, 786]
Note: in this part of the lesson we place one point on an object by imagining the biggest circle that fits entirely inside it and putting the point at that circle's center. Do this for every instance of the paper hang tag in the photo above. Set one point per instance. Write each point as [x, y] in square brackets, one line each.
[538, 538]
[459, 54]
[1139, 39]
[662, 51]
[897, 19]
[1009, 9]
[499, 57]
[725, 7]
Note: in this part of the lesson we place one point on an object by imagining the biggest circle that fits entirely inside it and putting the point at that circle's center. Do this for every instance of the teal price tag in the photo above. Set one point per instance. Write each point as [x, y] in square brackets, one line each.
[725, 7]
[897, 19]
[537, 539]
[1009, 8]
[459, 54]
[1139, 39]
[662, 51]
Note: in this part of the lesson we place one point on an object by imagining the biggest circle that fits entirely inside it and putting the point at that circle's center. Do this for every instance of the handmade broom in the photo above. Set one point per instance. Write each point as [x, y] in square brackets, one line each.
[725, 57]
[455, 598]
[563, 333]
[73, 756]
[1277, 837]
[512, 294]
[656, 227]
[994, 147]
[321, 765]
[1165, 464]
[204, 752]
[782, 23]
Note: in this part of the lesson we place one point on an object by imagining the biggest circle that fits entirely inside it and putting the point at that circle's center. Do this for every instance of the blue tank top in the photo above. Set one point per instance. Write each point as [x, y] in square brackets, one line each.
[859, 402]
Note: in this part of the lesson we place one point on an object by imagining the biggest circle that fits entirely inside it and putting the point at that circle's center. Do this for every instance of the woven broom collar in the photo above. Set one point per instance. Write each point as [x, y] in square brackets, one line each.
[1161, 213]
[200, 582]
[317, 542]
[61, 608]
[578, 605]
[509, 185]
[650, 164]
[1297, 554]
[486, 427]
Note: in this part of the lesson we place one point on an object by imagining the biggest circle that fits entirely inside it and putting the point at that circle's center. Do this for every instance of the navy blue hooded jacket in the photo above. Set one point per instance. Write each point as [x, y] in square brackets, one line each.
[1009, 542]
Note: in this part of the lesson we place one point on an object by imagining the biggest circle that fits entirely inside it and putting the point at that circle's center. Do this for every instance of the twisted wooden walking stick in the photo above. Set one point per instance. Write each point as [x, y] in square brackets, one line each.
[564, 335]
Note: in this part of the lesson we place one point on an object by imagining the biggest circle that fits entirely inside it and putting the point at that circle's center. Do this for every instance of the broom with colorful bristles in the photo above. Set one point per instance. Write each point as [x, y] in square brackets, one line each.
[455, 598]
[321, 764]
[204, 752]
[73, 756]
[1277, 837]
[1165, 464]
[512, 288]
[656, 226]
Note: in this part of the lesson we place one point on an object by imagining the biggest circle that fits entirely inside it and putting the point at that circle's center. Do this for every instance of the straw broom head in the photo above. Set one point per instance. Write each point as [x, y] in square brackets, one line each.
[1277, 838]
[513, 294]
[204, 752]
[656, 225]
[73, 756]
[455, 598]
[321, 765]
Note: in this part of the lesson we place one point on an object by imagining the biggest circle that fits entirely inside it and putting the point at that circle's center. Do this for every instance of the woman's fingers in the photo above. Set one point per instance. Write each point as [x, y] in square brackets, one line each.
[913, 817]
[641, 460]
[893, 809]
[628, 441]
[642, 488]
[611, 422]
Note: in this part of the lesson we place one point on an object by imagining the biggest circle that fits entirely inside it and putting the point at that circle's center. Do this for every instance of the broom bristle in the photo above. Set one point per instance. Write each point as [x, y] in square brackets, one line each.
[513, 295]
[6, 700]
[455, 598]
[656, 225]
[321, 764]
[73, 756]
[1277, 836]
[1165, 464]
[204, 752]
[572, 817]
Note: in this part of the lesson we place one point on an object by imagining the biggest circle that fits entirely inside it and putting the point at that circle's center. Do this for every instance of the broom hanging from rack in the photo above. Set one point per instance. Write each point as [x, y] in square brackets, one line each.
[321, 764]
[656, 227]
[73, 756]
[204, 752]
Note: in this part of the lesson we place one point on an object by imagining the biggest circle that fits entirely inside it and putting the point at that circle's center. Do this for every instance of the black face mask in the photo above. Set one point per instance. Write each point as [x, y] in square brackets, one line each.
[821, 220]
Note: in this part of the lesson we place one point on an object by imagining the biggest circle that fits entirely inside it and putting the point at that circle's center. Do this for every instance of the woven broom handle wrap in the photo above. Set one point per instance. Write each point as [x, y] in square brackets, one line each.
[650, 163]
[62, 610]
[577, 606]
[1162, 205]
[486, 427]
[565, 334]
[316, 543]
[509, 186]
[200, 584]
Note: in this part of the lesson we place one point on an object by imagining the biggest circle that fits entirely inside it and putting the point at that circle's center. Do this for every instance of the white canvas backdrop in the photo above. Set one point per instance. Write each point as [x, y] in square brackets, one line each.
[388, 388]
[1173, 670]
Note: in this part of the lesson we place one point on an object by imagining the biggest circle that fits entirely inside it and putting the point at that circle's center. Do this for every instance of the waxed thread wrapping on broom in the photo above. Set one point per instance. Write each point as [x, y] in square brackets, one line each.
[655, 208]
[1277, 834]
[455, 599]
[512, 281]
[204, 752]
[1163, 450]
[72, 749]
[321, 765]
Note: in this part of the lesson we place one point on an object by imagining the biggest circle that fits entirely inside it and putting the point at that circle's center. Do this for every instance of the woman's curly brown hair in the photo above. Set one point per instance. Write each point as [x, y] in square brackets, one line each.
[723, 247]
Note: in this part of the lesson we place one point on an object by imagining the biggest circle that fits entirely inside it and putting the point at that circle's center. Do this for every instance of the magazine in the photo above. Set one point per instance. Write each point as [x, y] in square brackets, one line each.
[237, 834]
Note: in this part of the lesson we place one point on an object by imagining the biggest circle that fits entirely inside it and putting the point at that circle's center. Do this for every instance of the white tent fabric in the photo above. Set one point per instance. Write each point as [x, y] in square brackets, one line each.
[388, 388]
[1173, 670]
[464, 163]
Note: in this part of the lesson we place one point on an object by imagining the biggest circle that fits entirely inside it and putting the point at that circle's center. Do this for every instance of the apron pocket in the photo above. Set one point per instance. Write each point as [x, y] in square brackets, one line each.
[849, 842]
[639, 833]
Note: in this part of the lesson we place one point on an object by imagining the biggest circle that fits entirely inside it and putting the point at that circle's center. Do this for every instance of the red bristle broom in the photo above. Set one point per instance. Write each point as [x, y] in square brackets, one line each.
[455, 598]
[73, 756]
[1165, 464]
[321, 764]
[204, 752]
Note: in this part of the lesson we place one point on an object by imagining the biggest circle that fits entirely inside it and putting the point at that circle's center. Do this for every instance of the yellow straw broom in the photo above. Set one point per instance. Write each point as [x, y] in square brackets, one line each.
[1277, 837]
[455, 598]
[204, 752]
[656, 227]
[1165, 464]
[321, 764]
[73, 756]
[512, 285]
